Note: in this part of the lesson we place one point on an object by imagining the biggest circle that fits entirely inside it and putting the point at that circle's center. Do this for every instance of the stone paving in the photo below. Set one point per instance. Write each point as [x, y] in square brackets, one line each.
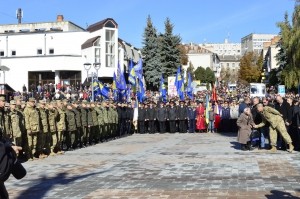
[162, 166]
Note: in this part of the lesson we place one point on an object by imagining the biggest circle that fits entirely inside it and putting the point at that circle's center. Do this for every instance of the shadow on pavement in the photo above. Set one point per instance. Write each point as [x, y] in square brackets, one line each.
[275, 194]
[44, 184]
[228, 134]
[235, 145]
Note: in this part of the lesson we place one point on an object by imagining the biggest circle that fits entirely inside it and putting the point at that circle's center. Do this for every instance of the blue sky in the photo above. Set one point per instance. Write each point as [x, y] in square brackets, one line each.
[195, 20]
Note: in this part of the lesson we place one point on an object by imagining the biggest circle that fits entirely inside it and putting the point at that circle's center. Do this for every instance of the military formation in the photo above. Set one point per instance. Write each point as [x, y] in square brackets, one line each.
[49, 128]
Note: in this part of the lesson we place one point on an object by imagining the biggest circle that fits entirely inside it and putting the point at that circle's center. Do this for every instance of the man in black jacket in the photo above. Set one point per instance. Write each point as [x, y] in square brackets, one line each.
[285, 109]
[151, 115]
[141, 118]
[162, 117]
[172, 115]
[182, 116]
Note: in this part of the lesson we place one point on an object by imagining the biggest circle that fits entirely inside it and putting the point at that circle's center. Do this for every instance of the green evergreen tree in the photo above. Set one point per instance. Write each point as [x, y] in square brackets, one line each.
[289, 54]
[170, 55]
[151, 56]
[210, 75]
[200, 74]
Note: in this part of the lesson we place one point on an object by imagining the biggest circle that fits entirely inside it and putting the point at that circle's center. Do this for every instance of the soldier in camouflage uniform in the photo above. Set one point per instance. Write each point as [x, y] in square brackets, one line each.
[105, 120]
[100, 120]
[44, 138]
[78, 133]
[60, 124]
[15, 124]
[52, 116]
[110, 117]
[2, 118]
[84, 123]
[276, 125]
[70, 127]
[94, 134]
[115, 118]
[32, 125]
[90, 123]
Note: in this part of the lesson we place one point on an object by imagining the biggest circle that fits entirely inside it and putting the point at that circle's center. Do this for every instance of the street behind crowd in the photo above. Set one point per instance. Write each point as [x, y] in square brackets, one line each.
[162, 166]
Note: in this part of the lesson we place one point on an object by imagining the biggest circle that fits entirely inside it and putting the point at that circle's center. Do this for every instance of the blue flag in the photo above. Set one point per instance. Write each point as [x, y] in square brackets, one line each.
[189, 87]
[114, 88]
[179, 84]
[100, 89]
[120, 79]
[141, 91]
[130, 65]
[132, 77]
[139, 69]
[162, 89]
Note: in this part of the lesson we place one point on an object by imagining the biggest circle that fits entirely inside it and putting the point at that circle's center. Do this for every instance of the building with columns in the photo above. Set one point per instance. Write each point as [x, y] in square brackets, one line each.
[55, 52]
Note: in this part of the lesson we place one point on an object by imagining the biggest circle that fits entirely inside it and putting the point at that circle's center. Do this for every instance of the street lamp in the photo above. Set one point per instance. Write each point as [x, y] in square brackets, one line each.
[97, 67]
[87, 67]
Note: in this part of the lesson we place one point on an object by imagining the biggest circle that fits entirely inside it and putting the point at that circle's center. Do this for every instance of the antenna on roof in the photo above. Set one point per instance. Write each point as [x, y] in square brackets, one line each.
[19, 14]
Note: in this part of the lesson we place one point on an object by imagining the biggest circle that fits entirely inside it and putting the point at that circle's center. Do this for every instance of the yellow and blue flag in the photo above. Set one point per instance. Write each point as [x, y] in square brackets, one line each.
[162, 89]
[132, 77]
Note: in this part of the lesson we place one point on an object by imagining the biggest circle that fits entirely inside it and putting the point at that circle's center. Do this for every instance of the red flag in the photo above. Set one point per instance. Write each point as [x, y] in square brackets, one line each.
[214, 93]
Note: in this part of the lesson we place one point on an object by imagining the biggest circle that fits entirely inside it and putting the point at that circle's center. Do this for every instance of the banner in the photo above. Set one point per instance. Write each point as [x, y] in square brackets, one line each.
[172, 91]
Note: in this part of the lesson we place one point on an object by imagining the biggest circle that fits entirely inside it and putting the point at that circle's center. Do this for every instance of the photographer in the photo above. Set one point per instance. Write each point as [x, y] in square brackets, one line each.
[9, 164]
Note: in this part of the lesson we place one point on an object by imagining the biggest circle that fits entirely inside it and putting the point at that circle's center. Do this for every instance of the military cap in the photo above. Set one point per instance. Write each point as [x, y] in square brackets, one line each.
[12, 102]
[69, 104]
[53, 103]
[23, 102]
[42, 102]
[6, 104]
[31, 99]
[65, 100]
[84, 102]
[2, 99]
[58, 101]
[16, 97]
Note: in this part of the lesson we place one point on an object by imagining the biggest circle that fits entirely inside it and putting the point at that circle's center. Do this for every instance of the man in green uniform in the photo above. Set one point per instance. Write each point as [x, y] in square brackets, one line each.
[15, 120]
[90, 124]
[98, 108]
[44, 138]
[95, 127]
[32, 125]
[105, 120]
[70, 127]
[276, 125]
[52, 116]
[84, 123]
[61, 125]
[2, 118]
[77, 111]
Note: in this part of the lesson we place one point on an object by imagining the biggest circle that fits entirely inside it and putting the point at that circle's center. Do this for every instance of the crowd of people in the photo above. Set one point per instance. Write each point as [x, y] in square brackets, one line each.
[52, 119]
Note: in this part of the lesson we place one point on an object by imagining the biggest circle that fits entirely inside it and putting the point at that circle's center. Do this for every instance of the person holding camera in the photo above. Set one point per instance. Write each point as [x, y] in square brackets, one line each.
[9, 164]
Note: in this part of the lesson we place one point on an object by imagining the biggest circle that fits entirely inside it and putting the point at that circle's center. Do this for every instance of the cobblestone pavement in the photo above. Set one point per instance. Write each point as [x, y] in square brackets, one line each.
[162, 166]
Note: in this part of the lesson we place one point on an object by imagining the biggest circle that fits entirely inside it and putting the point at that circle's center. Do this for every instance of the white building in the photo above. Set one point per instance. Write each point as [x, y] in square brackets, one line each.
[199, 56]
[254, 42]
[224, 49]
[54, 52]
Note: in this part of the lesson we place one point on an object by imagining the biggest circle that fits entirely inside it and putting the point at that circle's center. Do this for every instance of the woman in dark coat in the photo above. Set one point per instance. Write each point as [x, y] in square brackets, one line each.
[245, 123]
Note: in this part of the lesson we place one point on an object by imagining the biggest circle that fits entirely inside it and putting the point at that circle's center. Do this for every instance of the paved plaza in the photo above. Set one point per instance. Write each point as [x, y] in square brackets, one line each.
[162, 166]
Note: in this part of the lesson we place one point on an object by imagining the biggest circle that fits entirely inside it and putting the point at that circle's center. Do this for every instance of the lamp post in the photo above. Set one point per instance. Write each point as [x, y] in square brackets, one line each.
[87, 67]
[97, 67]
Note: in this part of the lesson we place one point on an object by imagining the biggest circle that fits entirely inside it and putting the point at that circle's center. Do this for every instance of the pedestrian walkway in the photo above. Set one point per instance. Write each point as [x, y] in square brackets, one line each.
[162, 166]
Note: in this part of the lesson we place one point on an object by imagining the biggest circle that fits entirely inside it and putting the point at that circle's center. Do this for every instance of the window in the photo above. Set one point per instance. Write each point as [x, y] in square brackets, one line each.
[39, 51]
[13, 53]
[227, 64]
[51, 51]
[110, 48]
[1, 53]
[233, 65]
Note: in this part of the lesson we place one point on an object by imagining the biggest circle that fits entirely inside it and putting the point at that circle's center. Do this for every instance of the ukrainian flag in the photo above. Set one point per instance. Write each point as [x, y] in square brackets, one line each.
[132, 77]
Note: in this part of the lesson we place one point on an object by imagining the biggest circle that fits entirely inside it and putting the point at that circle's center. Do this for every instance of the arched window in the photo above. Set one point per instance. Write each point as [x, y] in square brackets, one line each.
[110, 24]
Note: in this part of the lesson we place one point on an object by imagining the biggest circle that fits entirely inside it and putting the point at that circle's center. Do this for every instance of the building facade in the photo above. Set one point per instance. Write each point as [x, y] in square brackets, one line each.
[254, 42]
[224, 49]
[199, 56]
[55, 52]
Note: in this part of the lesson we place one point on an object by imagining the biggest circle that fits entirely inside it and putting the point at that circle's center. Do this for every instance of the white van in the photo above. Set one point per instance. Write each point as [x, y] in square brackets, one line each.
[257, 90]
[231, 87]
